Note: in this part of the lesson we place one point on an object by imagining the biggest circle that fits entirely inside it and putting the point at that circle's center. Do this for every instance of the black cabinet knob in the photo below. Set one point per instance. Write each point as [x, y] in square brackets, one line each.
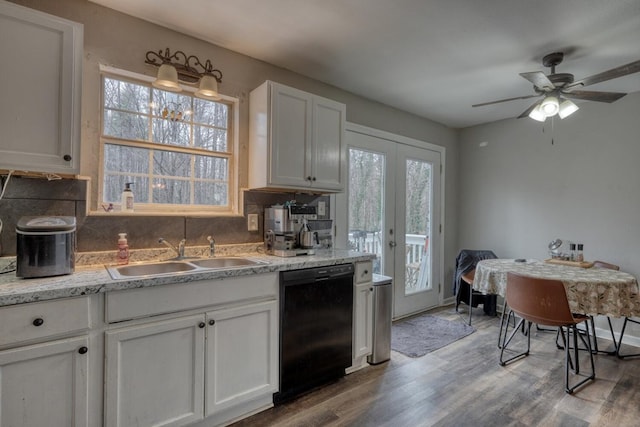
[83, 350]
[67, 157]
[366, 272]
[309, 178]
[371, 289]
[313, 179]
[201, 325]
[38, 322]
[212, 322]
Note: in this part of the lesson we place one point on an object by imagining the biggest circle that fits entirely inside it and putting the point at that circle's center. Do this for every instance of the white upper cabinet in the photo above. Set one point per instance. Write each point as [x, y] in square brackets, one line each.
[296, 140]
[40, 87]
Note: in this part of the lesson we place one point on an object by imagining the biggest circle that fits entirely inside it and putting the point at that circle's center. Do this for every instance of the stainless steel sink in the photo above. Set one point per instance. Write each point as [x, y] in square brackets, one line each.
[150, 269]
[225, 262]
[153, 269]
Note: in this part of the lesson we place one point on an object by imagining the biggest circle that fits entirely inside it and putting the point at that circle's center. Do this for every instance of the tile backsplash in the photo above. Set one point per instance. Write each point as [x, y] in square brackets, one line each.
[67, 197]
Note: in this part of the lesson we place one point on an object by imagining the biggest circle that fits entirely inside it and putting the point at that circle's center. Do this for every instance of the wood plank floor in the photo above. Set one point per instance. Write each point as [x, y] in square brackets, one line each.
[463, 385]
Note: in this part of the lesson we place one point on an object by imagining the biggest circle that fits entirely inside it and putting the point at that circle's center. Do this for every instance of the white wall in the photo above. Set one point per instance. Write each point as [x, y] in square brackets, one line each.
[521, 191]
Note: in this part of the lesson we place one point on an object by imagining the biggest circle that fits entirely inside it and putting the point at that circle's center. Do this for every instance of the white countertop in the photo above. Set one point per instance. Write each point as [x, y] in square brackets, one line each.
[96, 279]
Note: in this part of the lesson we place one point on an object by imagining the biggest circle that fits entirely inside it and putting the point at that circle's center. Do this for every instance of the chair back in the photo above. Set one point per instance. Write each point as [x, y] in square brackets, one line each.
[541, 301]
[603, 264]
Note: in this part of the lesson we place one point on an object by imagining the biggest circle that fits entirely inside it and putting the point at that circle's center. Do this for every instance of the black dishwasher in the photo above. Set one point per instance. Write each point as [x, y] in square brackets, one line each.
[316, 318]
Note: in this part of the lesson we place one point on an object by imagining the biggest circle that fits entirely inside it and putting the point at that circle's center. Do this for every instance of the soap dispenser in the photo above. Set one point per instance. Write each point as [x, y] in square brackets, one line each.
[123, 249]
[127, 198]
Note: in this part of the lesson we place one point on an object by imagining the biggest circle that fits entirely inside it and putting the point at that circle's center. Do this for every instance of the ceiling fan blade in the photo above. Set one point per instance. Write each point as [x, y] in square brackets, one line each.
[614, 73]
[539, 80]
[526, 112]
[504, 100]
[594, 96]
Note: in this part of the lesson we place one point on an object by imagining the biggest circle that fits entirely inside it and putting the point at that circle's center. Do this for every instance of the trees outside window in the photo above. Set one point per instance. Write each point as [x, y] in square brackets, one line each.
[173, 147]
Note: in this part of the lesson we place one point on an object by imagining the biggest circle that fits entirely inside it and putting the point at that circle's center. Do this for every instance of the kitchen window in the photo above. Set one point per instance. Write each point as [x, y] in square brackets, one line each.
[176, 150]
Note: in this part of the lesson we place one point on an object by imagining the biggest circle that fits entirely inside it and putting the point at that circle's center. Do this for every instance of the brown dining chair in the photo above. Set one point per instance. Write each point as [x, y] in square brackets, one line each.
[544, 302]
[468, 279]
[603, 264]
[466, 262]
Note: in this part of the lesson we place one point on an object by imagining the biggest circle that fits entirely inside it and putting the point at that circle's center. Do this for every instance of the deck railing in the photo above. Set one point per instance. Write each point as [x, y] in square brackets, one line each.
[416, 247]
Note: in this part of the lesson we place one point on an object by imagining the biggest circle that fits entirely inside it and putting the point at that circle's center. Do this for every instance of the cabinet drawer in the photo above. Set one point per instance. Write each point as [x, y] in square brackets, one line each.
[26, 322]
[151, 301]
[364, 272]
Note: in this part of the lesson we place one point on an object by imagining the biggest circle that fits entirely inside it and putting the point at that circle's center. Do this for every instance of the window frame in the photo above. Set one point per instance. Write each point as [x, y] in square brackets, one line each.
[157, 209]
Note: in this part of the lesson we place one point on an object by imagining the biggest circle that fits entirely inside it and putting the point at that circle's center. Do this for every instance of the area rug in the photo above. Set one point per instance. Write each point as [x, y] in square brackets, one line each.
[417, 336]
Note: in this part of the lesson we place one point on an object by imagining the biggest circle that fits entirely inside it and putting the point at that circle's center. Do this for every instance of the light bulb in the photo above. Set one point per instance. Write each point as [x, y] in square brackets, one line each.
[538, 114]
[567, 108]
[208, 88]
[167, 78]
[550, 106]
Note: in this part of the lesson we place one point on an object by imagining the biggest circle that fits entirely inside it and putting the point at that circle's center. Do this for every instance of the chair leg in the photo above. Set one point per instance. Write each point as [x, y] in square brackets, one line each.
[516, 329]
[619, 346]
[585, 336]
[568, 365]
[470, 302]
[595, 338]
[504, 308]
[613, 338]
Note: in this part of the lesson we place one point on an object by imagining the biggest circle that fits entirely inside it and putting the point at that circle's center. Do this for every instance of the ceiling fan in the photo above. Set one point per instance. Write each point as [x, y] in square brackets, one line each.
[557, 89]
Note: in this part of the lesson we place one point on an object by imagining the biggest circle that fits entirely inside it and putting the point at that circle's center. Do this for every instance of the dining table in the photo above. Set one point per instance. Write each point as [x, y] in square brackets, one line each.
[591, 291]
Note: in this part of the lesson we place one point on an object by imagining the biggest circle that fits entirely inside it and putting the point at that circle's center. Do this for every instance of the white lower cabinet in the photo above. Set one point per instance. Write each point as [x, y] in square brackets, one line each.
[155, 373]
[45, 384]
[178, 371]
[363, 334]
[242, 355]
[362, 315]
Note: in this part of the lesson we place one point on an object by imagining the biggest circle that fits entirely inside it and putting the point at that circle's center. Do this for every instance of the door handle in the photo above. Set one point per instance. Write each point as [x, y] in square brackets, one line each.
[392, 244]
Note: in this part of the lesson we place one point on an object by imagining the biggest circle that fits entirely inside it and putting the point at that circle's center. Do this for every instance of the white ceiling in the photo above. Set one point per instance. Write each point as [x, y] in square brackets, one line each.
[433, 58]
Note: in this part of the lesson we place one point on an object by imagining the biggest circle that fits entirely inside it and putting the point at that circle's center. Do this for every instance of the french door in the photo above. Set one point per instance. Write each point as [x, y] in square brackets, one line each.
[392, 208]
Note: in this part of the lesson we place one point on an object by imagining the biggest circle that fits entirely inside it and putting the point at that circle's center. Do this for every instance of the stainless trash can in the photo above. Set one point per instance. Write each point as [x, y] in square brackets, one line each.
[382, 300]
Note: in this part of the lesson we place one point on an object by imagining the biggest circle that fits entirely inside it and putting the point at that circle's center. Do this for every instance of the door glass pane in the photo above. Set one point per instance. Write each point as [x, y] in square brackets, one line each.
[366, 208]
[418, 213]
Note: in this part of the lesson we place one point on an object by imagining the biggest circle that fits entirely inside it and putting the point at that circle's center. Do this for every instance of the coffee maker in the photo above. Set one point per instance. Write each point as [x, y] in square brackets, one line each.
[287, 231]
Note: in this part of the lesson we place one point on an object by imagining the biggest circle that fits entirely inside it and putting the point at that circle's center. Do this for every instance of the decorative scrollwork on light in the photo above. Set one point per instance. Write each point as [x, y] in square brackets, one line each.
[189, 67]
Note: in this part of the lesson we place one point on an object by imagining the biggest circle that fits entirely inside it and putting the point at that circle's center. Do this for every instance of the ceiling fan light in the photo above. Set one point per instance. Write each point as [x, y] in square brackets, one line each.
[167, 78]
[538, 114]
[208, 88]
[567, 108]
[550, 106]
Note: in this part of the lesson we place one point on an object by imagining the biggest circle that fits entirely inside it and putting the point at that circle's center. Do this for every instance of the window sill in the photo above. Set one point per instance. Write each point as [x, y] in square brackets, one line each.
[198, 214]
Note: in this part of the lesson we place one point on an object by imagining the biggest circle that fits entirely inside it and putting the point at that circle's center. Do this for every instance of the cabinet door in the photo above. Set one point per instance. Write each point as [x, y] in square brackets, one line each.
[328, 148]
[154, 373]
[363, 320]
[40, 87]
[242, 355]
[290, 137]
[45, 384]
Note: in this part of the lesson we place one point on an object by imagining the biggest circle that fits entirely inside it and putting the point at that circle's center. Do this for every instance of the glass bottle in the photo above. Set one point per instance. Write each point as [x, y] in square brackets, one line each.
[572, 252]
[580, 254]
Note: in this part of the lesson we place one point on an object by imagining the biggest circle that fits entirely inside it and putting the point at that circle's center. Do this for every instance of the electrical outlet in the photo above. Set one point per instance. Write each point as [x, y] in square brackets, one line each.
[252, 222]
[321, 209]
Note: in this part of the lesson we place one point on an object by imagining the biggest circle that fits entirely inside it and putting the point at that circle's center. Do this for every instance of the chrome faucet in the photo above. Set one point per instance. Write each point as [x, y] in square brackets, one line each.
[179, 250]
[212, 246]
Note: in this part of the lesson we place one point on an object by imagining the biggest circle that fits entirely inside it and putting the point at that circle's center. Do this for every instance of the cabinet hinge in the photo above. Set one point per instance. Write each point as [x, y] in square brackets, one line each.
[440, 168]
[440, 228]
[439, 287]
